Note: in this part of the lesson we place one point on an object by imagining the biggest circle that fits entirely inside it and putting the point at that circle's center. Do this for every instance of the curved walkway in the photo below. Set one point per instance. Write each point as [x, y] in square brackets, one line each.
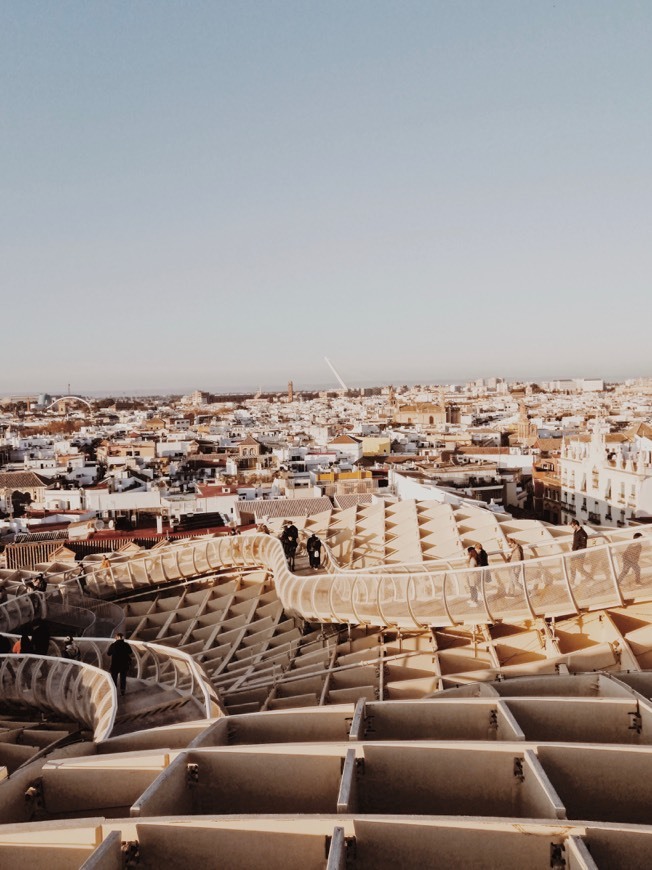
[407, 597]
[86, 616]
[171, 676]
[74, 690]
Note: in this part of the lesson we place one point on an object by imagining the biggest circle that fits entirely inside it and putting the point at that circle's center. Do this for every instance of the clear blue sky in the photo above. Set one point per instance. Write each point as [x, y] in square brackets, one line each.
[216, 194]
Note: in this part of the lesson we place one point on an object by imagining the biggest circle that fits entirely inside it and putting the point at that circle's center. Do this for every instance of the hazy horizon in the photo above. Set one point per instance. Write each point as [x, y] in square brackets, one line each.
[307, 386]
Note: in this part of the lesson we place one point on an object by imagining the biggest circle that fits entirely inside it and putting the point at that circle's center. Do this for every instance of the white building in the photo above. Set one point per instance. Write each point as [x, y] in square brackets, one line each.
[346, 445]
[606, 481]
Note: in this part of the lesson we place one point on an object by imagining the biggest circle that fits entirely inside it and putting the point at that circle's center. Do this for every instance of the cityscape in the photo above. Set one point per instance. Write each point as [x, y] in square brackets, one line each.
[325, 435]
[551, 451]
[348, 577]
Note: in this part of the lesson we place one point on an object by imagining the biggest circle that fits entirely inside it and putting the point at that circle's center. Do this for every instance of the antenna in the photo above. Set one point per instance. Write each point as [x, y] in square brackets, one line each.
[332, 368]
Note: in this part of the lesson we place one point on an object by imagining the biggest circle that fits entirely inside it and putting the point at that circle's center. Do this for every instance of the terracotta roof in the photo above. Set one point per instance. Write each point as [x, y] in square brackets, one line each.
[250, 441]
[50, 527]
[20, 479]
[345, 439]
[549, 445]
[211, 490]
[502, 451]
[284, 507]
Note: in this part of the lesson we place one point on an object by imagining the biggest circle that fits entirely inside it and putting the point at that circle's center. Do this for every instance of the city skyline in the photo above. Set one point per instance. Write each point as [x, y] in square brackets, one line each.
[198, 195]
[331, 386]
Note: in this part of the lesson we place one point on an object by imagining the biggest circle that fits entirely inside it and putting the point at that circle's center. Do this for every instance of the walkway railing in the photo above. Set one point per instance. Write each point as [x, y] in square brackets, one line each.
[73, 690]
[86, 616]
[556, 585]
[20, 610]
[166, 666]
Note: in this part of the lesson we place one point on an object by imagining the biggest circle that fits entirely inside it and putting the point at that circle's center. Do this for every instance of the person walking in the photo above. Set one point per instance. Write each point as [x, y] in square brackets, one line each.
[290, 540]
[631, 557]
[580, 540]
[483, 562]
[81, 580]
[120, 654]
[313, 546]
[514, 554]
[472, 559]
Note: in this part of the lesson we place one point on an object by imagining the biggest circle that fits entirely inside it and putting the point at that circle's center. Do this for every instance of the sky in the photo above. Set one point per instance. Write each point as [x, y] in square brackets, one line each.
[215, 195]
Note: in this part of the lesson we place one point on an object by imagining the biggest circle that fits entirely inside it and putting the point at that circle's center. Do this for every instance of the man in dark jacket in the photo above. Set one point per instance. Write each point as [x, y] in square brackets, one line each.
[580, 540]
[290, 540]
[313, 546]
[120, 654]
[41, 637]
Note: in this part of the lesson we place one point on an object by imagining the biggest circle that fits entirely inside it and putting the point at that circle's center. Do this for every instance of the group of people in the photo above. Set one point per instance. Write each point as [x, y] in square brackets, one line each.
[630, 557]
[38, 643]
[477, 558]
[290, 542]
[119, 652]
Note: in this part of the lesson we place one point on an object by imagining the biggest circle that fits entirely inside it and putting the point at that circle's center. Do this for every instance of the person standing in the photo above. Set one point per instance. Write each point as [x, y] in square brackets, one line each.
[71, 650]
[580, 540]
[120, 654]
[515, 554]
[483, 562]
[472, 558]
[290, 540]
[41, 637]
[313, 546]
[81, 580]
[24, 645]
